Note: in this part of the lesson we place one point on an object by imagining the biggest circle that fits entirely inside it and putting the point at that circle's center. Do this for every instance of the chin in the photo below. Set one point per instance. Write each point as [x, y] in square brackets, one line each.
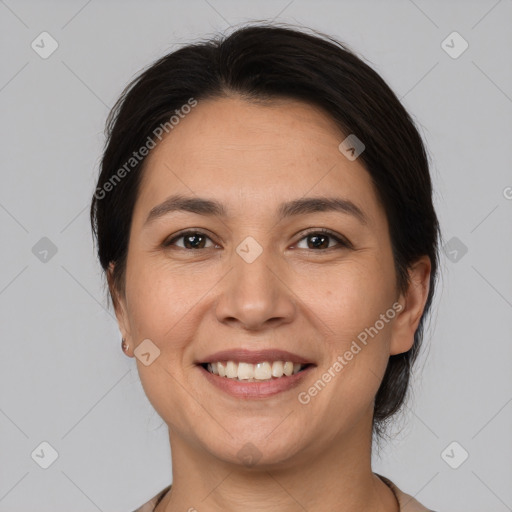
[250, 450]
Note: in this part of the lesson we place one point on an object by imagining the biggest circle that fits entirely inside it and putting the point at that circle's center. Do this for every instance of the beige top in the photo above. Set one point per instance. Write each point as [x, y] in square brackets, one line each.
[407, 502]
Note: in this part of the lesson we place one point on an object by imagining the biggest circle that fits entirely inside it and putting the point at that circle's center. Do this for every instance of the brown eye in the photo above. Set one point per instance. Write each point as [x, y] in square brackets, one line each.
[318, 241]
[191, 240]
[321, 240]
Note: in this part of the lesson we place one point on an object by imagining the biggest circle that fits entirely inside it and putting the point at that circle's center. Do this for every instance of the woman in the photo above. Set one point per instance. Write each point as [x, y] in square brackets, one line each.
[264, 217]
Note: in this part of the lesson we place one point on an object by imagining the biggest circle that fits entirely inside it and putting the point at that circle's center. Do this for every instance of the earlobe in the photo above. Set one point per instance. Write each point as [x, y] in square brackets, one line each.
[413, 301]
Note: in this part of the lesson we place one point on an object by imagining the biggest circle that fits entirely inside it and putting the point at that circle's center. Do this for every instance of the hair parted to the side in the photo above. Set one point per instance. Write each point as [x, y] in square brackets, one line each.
[263, 62]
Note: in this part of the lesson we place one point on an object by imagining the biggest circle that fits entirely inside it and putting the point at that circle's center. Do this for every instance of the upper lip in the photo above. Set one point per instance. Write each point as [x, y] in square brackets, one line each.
[254, 356]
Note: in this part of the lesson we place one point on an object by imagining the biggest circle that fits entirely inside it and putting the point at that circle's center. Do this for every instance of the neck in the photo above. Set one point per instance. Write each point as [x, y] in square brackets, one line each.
[339, 478]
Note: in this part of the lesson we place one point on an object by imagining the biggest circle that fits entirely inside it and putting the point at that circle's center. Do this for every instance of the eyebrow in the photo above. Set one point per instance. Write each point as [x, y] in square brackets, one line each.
[303, 206]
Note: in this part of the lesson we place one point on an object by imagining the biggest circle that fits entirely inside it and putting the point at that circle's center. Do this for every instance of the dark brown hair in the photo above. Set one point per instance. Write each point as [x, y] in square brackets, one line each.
[264, 62]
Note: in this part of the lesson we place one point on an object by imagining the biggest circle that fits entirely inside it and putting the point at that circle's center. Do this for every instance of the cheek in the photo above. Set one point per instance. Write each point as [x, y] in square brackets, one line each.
[362, 319]
[160, 298]
[160, 308]
[353, 296]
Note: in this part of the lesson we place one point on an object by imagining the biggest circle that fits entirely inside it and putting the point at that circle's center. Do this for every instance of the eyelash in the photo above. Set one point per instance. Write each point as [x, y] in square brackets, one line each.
[343, 242]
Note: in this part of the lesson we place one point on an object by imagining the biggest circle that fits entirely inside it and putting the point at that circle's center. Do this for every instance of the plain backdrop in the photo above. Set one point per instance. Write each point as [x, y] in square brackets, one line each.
[64, 380]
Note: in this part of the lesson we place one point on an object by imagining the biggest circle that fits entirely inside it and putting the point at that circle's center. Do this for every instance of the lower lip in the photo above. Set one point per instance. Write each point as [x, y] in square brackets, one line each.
[263, 389]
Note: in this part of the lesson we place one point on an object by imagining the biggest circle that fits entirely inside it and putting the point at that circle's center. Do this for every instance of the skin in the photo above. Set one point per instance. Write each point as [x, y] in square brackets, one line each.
[311, 301]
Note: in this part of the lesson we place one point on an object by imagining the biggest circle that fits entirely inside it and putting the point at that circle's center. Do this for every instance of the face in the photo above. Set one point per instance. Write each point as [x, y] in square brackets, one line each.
[269, 269]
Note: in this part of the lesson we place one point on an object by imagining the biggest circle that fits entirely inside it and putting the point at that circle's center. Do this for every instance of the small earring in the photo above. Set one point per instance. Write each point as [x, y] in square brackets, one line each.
[124, 345]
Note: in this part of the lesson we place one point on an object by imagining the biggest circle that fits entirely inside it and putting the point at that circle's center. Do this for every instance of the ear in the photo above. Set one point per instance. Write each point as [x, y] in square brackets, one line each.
[413, 303]
[119, 303]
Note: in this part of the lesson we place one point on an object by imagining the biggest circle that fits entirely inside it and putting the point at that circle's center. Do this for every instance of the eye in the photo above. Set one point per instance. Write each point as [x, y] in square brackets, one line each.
[191, 240]
[321, 239]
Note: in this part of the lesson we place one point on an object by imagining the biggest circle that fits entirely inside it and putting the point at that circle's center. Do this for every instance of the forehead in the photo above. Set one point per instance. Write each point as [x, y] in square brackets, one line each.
[254, 154]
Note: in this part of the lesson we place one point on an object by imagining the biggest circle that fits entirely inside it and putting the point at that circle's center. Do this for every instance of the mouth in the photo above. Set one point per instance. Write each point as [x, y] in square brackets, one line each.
[263, 371]
[254, 374]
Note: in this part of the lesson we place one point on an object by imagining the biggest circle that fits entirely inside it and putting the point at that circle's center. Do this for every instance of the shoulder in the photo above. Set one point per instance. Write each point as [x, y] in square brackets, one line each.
[150, 505]
[406, 501]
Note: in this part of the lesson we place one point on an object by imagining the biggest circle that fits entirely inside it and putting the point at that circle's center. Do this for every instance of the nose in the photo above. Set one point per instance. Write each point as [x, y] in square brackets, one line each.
[255, 296]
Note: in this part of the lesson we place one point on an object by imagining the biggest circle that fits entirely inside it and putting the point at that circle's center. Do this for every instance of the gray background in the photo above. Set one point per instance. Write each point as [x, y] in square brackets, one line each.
[63, 376]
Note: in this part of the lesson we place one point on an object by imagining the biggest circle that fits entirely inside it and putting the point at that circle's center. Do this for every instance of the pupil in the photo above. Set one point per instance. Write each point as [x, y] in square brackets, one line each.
[318, 238]
[192, 237]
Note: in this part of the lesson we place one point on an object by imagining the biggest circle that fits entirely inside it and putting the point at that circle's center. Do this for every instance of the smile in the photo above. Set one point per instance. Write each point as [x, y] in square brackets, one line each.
[254, 374]
[259, 372]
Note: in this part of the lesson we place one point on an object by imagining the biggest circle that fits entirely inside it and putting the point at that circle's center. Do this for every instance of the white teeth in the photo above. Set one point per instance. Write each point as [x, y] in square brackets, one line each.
[263, 371]
[277, 369]
[252, 372]
[245, 371]
[231, 370]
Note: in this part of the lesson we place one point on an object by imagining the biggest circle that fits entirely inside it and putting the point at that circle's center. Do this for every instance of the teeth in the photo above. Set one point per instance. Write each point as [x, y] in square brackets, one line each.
[245, 371]
[288, 368]
[253, 372]
[277, 369]
[231, 370]
[263, 371]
